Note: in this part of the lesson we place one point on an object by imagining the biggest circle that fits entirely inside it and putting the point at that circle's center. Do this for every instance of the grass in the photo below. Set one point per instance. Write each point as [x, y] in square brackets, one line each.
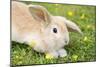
[80, 48]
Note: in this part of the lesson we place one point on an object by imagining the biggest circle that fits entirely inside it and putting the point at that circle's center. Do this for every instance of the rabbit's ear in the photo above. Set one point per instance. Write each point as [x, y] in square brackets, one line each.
[40, 13]
[72, 27]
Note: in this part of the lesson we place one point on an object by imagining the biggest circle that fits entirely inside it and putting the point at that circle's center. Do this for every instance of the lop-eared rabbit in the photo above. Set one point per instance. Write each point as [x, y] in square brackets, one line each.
[44, 32]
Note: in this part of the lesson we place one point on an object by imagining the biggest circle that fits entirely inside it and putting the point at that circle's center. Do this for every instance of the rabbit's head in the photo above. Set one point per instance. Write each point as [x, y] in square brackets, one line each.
[55, 31]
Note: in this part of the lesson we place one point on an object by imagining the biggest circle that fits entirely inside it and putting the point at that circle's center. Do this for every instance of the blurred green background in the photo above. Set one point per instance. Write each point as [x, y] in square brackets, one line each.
[80, 48]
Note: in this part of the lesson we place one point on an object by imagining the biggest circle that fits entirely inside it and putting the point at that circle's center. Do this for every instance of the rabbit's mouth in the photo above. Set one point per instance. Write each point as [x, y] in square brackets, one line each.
[65, 41]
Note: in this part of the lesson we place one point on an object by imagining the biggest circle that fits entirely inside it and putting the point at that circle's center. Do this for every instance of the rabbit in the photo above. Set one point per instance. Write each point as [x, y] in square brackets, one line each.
[35, 23]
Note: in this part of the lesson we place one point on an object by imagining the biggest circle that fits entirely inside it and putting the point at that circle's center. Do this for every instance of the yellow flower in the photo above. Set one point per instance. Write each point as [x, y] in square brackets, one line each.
[82, 16]
[56, 4]
[32, 43]
[74, 57]
[85, 38]
[70, 13]
[88, 26]
[48, 56]
[16, 56]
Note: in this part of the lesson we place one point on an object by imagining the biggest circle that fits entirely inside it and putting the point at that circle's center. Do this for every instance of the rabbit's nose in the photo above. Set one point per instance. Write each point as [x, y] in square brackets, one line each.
[66, 41]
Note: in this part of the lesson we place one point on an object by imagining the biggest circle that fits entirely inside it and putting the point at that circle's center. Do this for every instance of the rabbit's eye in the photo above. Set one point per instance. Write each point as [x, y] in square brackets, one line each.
[55, 30]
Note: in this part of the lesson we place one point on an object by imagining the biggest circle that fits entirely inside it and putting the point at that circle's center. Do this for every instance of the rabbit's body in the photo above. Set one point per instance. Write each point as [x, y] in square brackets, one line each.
[35, 23]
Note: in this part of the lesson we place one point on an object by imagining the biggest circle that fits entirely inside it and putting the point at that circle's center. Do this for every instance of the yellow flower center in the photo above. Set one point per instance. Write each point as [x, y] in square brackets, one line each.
[70, 13]
[32, 43]
[48, 56]
[75, 57]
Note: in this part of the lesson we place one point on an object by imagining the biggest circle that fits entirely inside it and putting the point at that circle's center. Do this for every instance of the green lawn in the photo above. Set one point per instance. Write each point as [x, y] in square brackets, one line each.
[80, 48]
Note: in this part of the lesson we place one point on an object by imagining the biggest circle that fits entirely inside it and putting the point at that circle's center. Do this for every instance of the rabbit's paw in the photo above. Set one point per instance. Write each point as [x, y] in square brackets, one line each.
[62, 52]
[51, 55]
